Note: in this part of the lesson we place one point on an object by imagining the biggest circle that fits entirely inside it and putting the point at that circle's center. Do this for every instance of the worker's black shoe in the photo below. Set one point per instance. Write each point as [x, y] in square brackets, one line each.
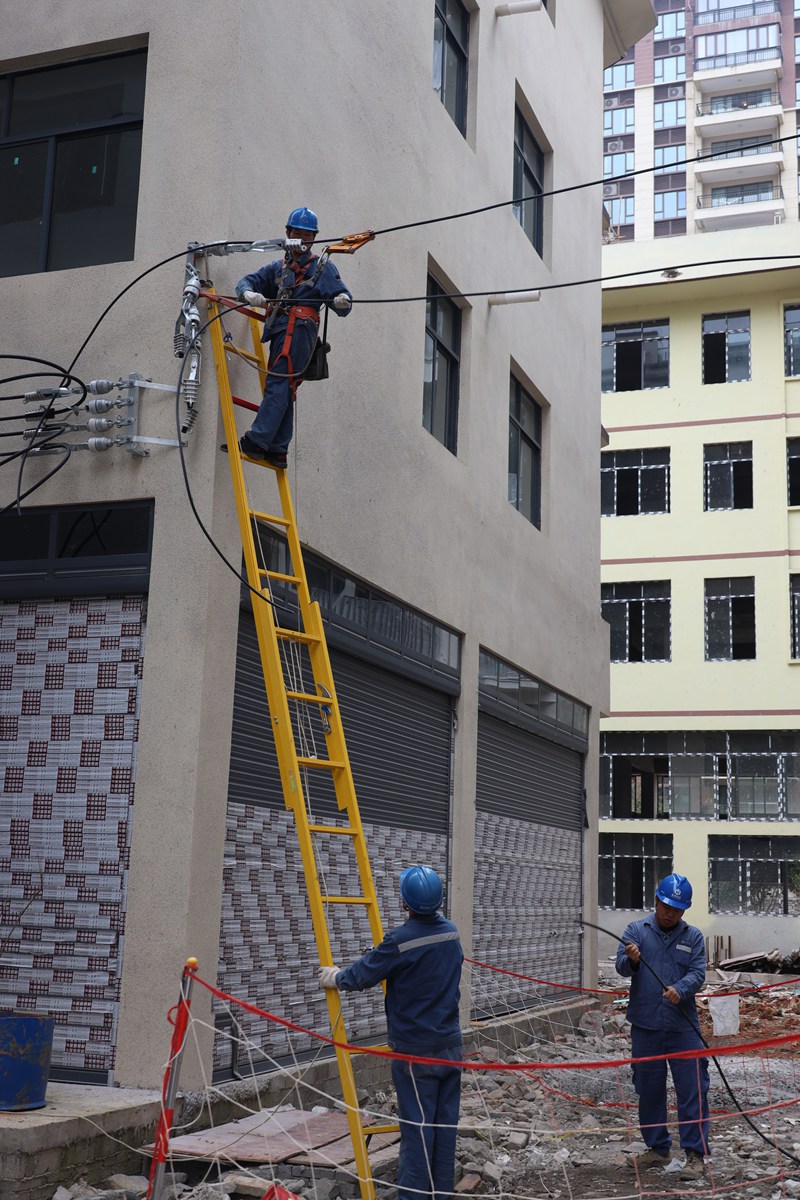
[251, 448]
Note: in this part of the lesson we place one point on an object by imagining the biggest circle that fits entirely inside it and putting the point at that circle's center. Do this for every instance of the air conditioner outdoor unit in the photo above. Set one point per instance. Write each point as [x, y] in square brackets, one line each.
[676, 48]
[611, 102]
[610, 189]
[675, 93]
[615, 146]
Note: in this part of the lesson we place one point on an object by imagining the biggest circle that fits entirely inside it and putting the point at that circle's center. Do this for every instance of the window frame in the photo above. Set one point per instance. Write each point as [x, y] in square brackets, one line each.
[638, 613]
[519, 396]
[654, 862]
[459, 47]
[730, 328]
[56, 137]
[452, 355]
[791, 341]
[528, 182]
[613, 462]
[738, 481]
[740, 599]
[793, 471]
[626, 333]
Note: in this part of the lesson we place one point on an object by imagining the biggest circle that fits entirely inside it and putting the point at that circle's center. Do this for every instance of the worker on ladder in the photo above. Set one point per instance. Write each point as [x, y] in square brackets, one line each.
[421, 963]
[292, 290]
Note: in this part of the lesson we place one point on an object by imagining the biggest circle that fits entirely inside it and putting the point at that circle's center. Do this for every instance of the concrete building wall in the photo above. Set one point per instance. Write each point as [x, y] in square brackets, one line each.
[688, 545]
[251, 109]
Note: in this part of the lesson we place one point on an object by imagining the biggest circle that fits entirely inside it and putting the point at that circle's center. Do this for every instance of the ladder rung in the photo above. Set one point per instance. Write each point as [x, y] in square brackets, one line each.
[259, 516]
[292, 635]
[369, 1130]
[345, 900]
[348, 829]
[310, 697]
[280, 575]
[321, 764]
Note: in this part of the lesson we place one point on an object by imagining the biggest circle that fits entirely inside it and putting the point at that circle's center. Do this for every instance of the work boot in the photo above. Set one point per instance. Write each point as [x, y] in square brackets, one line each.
[647, 1159]
[251, 448]
[694, 1167]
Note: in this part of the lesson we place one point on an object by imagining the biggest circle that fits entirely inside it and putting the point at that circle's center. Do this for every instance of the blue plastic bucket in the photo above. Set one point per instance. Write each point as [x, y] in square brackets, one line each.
[26, 1043]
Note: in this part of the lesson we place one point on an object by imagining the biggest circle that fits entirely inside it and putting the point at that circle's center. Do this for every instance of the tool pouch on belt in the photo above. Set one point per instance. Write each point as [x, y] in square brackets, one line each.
[318, 363]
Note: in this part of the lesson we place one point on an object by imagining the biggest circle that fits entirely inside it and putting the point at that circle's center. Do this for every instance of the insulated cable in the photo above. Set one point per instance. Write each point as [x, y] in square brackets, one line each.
[793, 1157]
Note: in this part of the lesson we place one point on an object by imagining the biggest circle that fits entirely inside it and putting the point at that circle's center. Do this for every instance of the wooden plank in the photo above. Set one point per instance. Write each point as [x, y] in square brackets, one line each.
[268, 1136]
[340, 1152]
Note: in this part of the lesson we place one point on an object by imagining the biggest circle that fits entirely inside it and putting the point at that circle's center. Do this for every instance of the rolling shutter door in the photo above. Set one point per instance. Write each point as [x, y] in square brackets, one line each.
[528, 865]
[398, 735]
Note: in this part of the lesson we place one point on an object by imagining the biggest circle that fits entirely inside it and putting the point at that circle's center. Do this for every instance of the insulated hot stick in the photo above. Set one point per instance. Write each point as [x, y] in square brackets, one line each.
[687, 1018]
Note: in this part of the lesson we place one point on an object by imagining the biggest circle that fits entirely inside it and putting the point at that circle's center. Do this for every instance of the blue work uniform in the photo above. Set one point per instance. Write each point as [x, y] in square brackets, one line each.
[678, 957]
[421, 963]
[291, 336]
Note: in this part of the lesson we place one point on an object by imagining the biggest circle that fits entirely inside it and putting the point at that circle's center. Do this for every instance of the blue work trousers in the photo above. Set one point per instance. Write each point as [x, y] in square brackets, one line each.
[428, 1099]
[274, 423]
[690, 1077]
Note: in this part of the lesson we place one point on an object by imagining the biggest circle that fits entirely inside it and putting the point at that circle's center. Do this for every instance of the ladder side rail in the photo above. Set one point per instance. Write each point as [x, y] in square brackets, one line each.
[287, 756]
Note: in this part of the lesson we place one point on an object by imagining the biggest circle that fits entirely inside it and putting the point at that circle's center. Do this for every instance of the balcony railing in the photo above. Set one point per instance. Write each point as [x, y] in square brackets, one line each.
[741, 152]
[738, 11]
[746, 196]
[713, 108]
[766, 54]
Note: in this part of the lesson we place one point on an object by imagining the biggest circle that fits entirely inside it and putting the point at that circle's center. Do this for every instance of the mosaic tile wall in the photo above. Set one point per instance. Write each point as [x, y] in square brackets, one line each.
[526, 908]
[267, 949]
[70, 673]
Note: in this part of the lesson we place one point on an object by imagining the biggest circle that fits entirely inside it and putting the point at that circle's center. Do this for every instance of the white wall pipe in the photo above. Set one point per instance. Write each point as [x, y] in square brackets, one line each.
[515, 297]
[519, 6]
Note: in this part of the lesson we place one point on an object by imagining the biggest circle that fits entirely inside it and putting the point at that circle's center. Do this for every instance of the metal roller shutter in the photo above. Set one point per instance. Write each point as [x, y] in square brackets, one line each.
[526, 777]
[398, 736]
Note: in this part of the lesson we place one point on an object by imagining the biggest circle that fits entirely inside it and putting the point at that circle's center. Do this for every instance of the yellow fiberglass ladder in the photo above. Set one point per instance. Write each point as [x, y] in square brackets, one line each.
[287, 698]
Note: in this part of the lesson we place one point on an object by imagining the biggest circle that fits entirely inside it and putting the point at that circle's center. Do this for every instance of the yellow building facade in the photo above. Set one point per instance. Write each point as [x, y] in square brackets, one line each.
[700, 755]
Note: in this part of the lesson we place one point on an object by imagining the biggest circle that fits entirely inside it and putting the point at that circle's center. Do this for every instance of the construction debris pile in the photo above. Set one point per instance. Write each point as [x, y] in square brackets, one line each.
[765, 962]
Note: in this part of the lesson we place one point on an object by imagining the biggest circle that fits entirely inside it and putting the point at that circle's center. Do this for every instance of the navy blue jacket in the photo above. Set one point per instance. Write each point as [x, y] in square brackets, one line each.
[421, 963]
[268, 279]
[678, 957]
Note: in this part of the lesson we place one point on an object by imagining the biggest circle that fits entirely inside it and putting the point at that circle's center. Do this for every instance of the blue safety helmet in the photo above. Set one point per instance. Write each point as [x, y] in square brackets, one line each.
[303, 218]
[676, 891]
[421, 890]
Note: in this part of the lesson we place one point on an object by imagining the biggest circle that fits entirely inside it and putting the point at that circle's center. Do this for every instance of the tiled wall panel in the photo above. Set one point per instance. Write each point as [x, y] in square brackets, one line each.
[69, 706]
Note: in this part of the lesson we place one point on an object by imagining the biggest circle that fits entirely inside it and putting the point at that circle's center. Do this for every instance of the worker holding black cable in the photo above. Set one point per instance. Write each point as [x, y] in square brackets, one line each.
[666, 962]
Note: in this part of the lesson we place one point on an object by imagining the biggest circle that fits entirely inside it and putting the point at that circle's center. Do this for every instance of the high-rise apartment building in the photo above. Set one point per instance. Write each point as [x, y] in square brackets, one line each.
[716, 78]
[700, 761]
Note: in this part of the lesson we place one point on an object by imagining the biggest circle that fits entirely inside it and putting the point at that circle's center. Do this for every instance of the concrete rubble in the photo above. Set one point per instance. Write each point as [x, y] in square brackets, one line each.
[547, 1134]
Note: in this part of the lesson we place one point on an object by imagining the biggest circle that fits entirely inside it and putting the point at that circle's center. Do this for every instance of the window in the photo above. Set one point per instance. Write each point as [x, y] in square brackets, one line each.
[69, 164]
[669, 113]
[669, 204]
[742, 147]
[754, 786]
[617, 164]
[442, 350]
[726, 348]
[736, 100]
[667, 70]
[639, 616]
[758, 875]
[533, 699]
[618, 77]
[617, 121]
[525, 454]
[528, 181]
[635, 357]
[727, 476]
[743, 45]
[634, 482]
[630, 867]
[670, 158]
[730, 618]
[450, 55]
[794, 599]
[744, 193]
[620, 210]
[791, 338]
[670, 25]
[793, 469]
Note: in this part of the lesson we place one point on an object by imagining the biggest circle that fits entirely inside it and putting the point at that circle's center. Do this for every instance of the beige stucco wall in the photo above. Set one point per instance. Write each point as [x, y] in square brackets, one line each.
[688, 545]
[250, 110]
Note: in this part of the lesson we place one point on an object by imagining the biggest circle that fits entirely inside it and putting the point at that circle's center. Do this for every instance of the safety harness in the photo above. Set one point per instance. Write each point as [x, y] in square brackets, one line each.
[297, 312]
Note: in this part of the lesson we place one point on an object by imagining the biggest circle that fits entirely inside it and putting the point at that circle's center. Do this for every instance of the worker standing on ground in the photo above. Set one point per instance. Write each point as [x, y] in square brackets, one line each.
[292, 290]
[421, 963]
[663, 1017]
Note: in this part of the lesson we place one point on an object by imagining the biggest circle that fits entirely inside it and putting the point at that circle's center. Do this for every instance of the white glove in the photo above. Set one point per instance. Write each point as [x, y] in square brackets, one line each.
[255, 298]
[327, 977]
[342, 302]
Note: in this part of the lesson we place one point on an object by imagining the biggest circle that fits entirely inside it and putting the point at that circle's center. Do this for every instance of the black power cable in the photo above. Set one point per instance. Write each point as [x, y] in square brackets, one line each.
[687, 1018]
